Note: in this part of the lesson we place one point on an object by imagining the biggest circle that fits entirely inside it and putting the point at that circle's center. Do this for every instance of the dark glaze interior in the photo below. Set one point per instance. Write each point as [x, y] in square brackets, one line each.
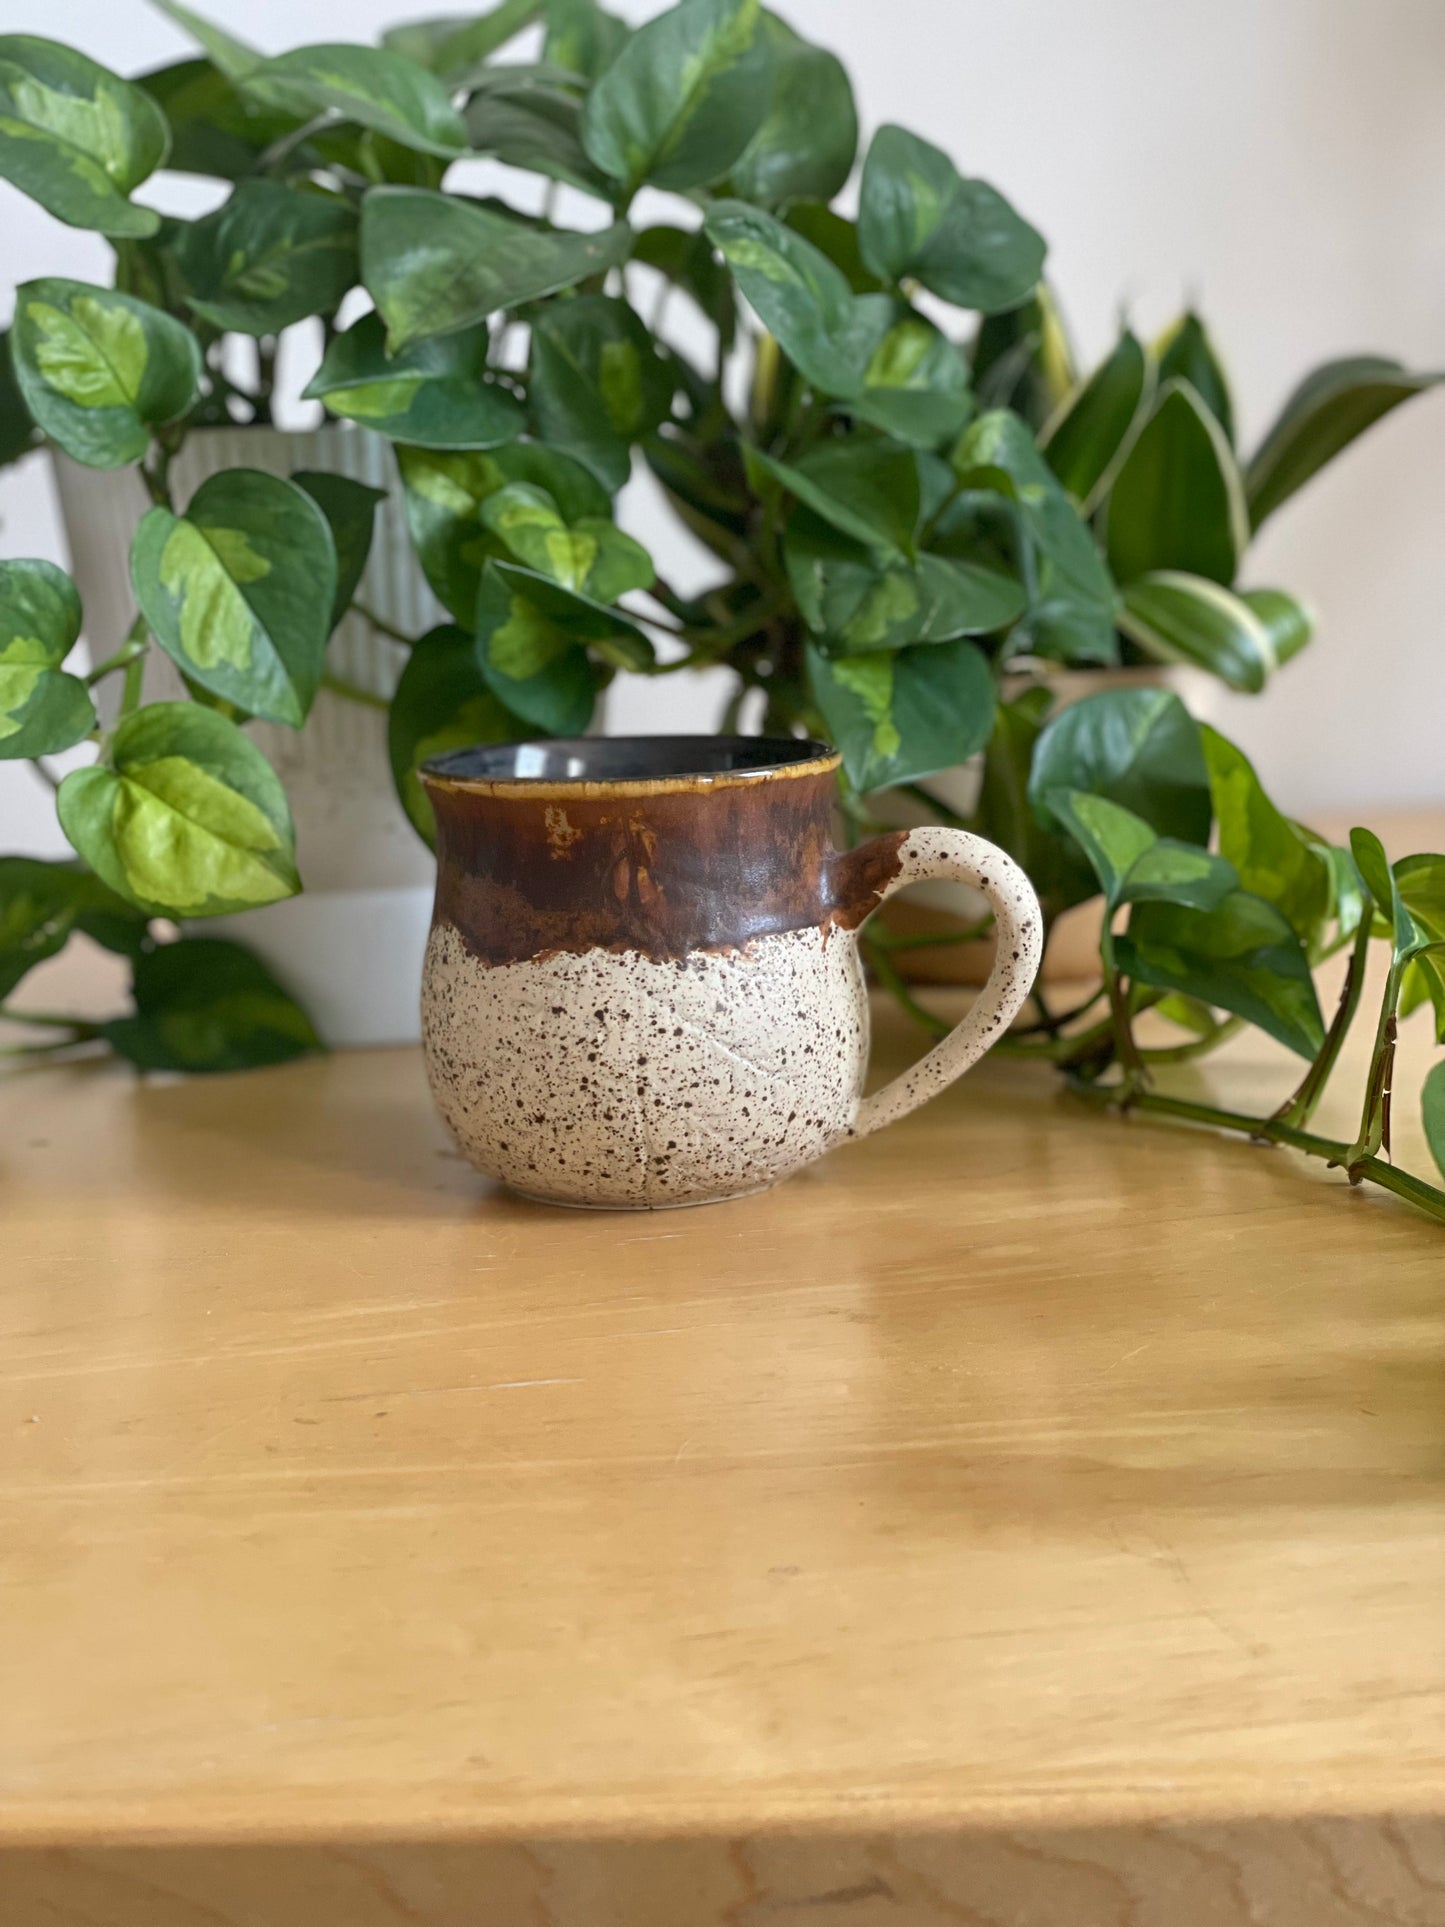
[624, 759]
[635, 844]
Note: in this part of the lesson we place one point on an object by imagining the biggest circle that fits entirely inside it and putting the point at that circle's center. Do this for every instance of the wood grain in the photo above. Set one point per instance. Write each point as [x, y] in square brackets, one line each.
[1023, 1518]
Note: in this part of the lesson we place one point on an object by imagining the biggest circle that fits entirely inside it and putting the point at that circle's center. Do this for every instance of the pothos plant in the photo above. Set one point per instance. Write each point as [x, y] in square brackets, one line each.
[872, 422]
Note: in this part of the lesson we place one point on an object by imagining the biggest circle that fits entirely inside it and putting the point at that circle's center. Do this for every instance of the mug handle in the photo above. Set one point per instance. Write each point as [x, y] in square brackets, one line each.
[953, 856]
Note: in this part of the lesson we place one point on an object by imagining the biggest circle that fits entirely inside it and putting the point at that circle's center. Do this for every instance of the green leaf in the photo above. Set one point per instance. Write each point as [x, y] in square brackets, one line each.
[1022, 359]
[433, 395]
[18, 433]
[683, 98]
[1053, 863]
[582, 37]
[1241, 956]
[806, 145]
[42, 904]
[444, 497]
[442, 702]
[187, 820]
[207, 1004]
[798, 295]
[350, 511]
[1186, 353]
[598, 383]
[527, 118]
[434, 264]
[687, 260]
[76, 137]
[1132, 862]
[1379, 879]
[1071, 597]
[1137, 747]
[899, 715]
[869, 490]
[1085, 438]
[269, 256]
[1184, 618]
[860, 604]
[532, 637]
[1420, 887]
[591, 556]
[836, 238]
[919, 219]
[99, 370]
[233, 57]
[1178, 501]
[42, 710]
[915, 385]
[1432, 1111]
[370, 86]
[1290, 623]
[1275, 859]
[1329, 409]
[239, 591]
[215, 128]
[456, 49]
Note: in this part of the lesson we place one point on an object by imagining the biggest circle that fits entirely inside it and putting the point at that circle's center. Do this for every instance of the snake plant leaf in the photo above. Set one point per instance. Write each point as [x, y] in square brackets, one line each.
[1185, 352]
[42, 709]
[98, 370]
[582, 38]
[808, 141]
[434, 264]
[434, 394]
[598, 383]
[915, 386]
[1086, 437]
[187, 819]
[532, 638]
[42, 904]
[1139, 748]
[455, 49]
[77, 138]
[18, 433]
[1241, 955]
[215, 128]
[270, 256]
[1177, 501]
[442, 702]
[1023, 359]
[229, 56]
[1071, 597]
[797, 293]
[1290, 622]
[445, 493]
[527, 118]
[684, 256]
[370, 86]
[1175, 617]
[206, 1004]
[867, 490]
[1432, 1111]
[592, 556]
[1329, 409]
[1133, 863]
[683, 98]
[239, 590]
[898, 715]
[1275, 859]
[350, 511]
[920, 220]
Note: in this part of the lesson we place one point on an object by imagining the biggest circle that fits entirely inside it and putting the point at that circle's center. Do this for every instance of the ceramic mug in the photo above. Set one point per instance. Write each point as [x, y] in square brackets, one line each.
[642, 984]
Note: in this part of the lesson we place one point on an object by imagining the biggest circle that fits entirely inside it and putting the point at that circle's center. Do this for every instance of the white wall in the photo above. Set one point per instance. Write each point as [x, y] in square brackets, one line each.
[1283, 161]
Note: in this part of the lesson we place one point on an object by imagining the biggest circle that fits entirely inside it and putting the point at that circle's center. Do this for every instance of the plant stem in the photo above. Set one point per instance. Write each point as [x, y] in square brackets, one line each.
[43, 773]
[882, 967]
[1135, 1075]
[933, 939]
[921, 795]
[381, 625]
[353, 692]
[1301, 1107]
[1196, 1047]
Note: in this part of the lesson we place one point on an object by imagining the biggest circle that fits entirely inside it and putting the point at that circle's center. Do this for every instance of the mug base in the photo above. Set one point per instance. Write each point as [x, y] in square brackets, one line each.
[667, 1204]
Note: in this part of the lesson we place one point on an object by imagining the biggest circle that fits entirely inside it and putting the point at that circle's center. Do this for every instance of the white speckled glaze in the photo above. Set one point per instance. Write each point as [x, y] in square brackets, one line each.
[607, 1078]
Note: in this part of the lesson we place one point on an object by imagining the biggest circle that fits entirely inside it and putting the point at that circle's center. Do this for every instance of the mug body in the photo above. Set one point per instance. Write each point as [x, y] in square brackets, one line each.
[642, 985]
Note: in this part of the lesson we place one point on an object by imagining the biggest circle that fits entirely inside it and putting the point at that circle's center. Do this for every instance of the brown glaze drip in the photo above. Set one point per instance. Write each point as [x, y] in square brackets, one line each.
[683, 868]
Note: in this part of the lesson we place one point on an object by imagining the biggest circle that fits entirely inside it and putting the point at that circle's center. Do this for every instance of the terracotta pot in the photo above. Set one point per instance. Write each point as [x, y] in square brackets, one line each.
[941, 909]
[351, 946]
[642, 985]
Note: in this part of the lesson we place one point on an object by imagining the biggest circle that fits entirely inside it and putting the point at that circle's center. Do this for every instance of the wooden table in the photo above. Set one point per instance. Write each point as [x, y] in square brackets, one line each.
[1023, 1519]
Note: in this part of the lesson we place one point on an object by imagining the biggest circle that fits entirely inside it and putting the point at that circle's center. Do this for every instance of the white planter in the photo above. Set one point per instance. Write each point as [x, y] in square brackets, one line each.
[351, 946]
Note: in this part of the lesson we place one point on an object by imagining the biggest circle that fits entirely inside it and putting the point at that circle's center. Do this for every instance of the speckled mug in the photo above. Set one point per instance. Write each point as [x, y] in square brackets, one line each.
[642, 984]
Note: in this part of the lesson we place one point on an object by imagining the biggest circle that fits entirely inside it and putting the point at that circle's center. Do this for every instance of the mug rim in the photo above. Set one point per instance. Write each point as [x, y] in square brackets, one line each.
[792, 757]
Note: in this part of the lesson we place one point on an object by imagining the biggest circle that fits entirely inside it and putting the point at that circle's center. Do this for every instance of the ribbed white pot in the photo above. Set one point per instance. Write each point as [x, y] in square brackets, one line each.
[351, 946]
